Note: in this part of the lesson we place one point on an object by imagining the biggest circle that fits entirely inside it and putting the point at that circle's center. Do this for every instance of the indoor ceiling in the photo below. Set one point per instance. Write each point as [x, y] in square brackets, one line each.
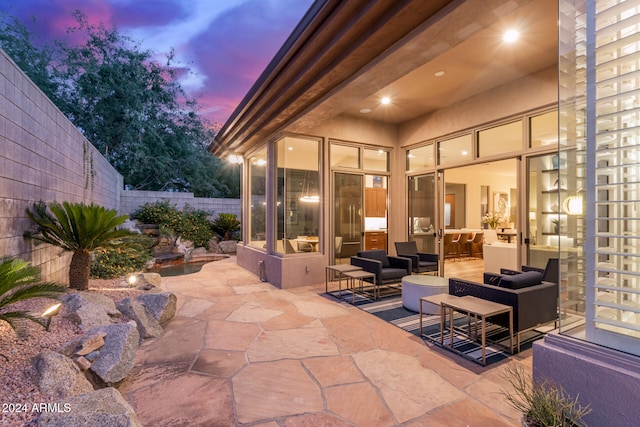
[477, 64]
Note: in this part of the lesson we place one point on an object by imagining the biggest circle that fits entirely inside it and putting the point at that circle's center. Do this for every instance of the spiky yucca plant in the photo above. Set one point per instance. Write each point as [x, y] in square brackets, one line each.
[20, 281]
[80, 229]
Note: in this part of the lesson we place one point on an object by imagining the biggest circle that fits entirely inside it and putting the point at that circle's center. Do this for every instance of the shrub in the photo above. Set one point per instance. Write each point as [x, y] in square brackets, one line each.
[226, 224]
[543, 403]
[196, 227]
[127, 258]
[20, 281]
[160, 212]
[189, 224]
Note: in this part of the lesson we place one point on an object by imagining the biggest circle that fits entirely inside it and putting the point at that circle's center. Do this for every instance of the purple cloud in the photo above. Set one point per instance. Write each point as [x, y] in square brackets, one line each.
[227, 44]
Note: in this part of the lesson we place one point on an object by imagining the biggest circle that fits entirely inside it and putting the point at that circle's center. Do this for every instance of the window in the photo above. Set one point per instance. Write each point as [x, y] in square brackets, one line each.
[420, 158]
[500, 139]
[298, 195]
[543, 129]
[455, 150]
[345, 156]
[258, 202]
[376, 160]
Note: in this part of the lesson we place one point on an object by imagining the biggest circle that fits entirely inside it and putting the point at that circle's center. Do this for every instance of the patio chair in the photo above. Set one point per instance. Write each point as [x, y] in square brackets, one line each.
[421, 262]
[388, 270]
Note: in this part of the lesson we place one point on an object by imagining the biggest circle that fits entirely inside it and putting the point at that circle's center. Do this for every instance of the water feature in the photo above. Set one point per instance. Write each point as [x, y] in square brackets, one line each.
[179, 269]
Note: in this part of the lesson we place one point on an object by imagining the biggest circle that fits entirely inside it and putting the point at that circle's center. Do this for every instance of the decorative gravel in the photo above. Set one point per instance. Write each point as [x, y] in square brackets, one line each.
[18, 390]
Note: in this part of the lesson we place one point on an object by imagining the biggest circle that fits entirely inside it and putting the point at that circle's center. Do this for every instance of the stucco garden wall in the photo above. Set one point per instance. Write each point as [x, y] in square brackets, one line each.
[131, 200]
[43, 157]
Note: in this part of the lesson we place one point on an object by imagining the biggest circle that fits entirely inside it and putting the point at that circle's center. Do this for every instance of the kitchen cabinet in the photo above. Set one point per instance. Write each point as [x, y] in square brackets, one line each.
[375, 202]
[375, 240]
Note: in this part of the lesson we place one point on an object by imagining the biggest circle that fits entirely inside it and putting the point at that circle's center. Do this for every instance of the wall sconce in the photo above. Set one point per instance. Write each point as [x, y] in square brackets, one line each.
[573, 205]
[49, 313]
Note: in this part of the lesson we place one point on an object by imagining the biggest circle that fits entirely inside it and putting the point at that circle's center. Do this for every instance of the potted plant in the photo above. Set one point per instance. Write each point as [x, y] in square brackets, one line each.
[492, 219]
[542, 403]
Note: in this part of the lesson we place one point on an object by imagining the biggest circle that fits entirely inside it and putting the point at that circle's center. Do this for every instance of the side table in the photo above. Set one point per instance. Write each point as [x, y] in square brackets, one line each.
[340, 269]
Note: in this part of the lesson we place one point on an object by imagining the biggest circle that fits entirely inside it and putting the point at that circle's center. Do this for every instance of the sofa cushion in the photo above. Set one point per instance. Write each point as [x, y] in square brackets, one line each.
[393, 274]
[378, 255]
[522, 280]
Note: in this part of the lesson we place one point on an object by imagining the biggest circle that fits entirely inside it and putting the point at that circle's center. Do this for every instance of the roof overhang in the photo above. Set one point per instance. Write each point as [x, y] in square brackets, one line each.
[342, 53]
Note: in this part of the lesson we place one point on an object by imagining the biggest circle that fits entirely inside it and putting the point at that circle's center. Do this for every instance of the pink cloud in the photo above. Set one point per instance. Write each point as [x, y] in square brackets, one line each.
[229, 54]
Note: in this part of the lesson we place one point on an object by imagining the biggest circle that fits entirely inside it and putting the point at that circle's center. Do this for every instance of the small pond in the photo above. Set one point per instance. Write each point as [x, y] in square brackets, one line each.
[179, 269]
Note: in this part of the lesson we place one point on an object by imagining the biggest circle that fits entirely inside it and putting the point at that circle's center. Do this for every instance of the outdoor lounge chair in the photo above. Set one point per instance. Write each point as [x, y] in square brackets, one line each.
[421, 262]
[387, 269]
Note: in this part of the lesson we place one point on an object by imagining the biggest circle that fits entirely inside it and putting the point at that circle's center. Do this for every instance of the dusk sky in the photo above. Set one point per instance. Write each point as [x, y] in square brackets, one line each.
[226, 43]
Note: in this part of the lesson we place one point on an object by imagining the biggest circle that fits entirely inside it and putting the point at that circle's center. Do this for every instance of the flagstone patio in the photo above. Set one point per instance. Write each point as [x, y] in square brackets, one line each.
[242, 352]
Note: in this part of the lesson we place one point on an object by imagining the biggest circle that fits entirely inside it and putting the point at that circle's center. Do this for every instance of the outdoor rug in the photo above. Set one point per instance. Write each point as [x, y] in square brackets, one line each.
[390, 309]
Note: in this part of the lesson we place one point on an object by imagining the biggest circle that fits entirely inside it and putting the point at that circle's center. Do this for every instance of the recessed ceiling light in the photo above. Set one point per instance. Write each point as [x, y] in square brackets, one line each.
[290, 148]
[365, 110]
[385, 100]
[510, 36]
[439, 73]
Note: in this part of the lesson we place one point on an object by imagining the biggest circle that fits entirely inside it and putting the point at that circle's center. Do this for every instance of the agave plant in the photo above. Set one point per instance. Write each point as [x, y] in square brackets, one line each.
[80, 229]
[20, 281]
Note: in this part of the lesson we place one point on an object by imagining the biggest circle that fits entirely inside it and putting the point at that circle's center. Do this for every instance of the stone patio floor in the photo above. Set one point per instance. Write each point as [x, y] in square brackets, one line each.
[241, 352]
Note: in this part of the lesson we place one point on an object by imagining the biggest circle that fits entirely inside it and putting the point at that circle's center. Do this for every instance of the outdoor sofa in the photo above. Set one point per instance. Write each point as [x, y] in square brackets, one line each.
[534, 301]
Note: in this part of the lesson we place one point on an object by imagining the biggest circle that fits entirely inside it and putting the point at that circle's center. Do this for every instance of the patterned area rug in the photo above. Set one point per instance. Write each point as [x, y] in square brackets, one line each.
[391, 310]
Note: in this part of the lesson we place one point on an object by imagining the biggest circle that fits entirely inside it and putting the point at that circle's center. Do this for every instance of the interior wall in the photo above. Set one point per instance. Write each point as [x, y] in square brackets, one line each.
[499, 176]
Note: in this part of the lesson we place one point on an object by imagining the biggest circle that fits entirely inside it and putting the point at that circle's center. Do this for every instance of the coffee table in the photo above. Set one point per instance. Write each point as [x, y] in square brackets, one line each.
[417, 286]
[479, 308]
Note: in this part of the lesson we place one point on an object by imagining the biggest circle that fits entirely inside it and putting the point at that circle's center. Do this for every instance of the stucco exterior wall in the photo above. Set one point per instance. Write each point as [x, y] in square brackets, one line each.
[353, 129]
[131, 200]
[43, 157]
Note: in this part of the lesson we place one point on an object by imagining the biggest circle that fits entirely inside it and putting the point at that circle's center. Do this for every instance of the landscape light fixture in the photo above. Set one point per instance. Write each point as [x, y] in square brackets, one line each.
[132, 280]
[49, 313]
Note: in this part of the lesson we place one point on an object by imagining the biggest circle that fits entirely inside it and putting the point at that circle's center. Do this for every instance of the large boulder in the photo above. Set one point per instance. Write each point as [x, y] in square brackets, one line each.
[116, 358]
[146, 281]
[84, 344]
[58, 376]
[162, 306]
[148, 325]
[89, 309]
[228, 246]
[104, 408]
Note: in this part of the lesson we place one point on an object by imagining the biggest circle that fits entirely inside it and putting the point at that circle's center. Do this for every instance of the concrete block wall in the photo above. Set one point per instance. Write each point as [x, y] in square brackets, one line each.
[131, 200]
[43, 157]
